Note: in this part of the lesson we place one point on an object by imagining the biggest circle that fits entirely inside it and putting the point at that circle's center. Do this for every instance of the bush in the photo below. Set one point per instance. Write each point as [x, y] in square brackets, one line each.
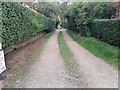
[81, 15]
[106, 30]
[20, 23]
[64, 23]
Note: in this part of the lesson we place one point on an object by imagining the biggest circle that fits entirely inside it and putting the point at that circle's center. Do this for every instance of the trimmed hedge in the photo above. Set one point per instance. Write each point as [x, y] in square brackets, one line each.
[106, 30]
[20, 23]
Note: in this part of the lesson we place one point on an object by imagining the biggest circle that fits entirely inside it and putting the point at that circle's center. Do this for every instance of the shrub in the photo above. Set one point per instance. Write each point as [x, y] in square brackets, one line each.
[64, 23]
[20, 23]
[81, 15]
[106, 30]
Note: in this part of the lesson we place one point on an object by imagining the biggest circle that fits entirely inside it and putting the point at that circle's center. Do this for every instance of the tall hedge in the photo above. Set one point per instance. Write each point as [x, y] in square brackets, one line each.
[106, 30]
[20, 23]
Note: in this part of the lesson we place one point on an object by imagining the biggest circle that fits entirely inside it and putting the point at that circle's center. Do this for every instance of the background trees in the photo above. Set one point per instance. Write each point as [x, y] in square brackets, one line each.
[81, 18]
[80, 15]
[51, 10]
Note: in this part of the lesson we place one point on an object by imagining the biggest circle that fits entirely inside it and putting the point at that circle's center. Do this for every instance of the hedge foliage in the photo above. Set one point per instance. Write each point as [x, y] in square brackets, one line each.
[106, 30]
[80, 15]
[94, 19]
[64, 23]
[20, 23]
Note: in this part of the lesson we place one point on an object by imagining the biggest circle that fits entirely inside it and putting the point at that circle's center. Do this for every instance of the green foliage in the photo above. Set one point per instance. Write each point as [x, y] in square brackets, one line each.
[106, 30]
[47, 9]
[81, 15]
[64, 23]
[50, 10]
[20, 23]
[100, 49]
[103, 10]
[57, 23]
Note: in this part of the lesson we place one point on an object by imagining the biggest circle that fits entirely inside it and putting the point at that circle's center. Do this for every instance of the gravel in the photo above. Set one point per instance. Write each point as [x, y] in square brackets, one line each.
[94, 71]
[49, 70]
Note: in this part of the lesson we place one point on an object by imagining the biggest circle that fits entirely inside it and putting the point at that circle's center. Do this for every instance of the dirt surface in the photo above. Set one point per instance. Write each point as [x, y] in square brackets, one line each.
[23, 54]
[94, 71]
[48, 71]
[19, 58]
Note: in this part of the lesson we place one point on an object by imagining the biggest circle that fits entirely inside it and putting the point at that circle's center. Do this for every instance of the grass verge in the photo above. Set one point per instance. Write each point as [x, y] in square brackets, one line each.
[98, 48]
[19, 72]
[69, 62]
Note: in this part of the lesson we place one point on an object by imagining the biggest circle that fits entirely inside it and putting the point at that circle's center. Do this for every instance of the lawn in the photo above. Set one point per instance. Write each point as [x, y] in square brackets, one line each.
[98, 48]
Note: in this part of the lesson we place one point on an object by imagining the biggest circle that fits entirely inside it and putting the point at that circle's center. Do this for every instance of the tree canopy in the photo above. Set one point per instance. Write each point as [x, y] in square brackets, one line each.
[81, 14]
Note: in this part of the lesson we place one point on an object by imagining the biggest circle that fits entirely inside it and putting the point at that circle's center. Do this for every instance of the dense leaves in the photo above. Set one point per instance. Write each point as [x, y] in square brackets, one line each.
[81, 18]
[81, 15]
[47, 9]
[103, 10]
[64, 23]
[19, 23]
[106, 30]
[50, 10]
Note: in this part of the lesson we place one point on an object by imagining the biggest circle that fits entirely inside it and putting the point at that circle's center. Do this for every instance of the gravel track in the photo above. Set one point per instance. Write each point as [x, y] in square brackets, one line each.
[49, 70]
[94, 71]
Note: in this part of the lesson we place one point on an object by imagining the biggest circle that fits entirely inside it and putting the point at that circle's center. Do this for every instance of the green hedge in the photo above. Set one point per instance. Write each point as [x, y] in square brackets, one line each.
[106, 30]
[20, 23]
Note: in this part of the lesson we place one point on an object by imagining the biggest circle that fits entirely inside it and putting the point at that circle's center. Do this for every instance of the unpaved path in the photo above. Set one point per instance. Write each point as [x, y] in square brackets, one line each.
[93, 70]
[48, 71]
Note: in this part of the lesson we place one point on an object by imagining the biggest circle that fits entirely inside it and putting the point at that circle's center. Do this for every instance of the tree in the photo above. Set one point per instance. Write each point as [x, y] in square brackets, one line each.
[81, 14]
[50, 10]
